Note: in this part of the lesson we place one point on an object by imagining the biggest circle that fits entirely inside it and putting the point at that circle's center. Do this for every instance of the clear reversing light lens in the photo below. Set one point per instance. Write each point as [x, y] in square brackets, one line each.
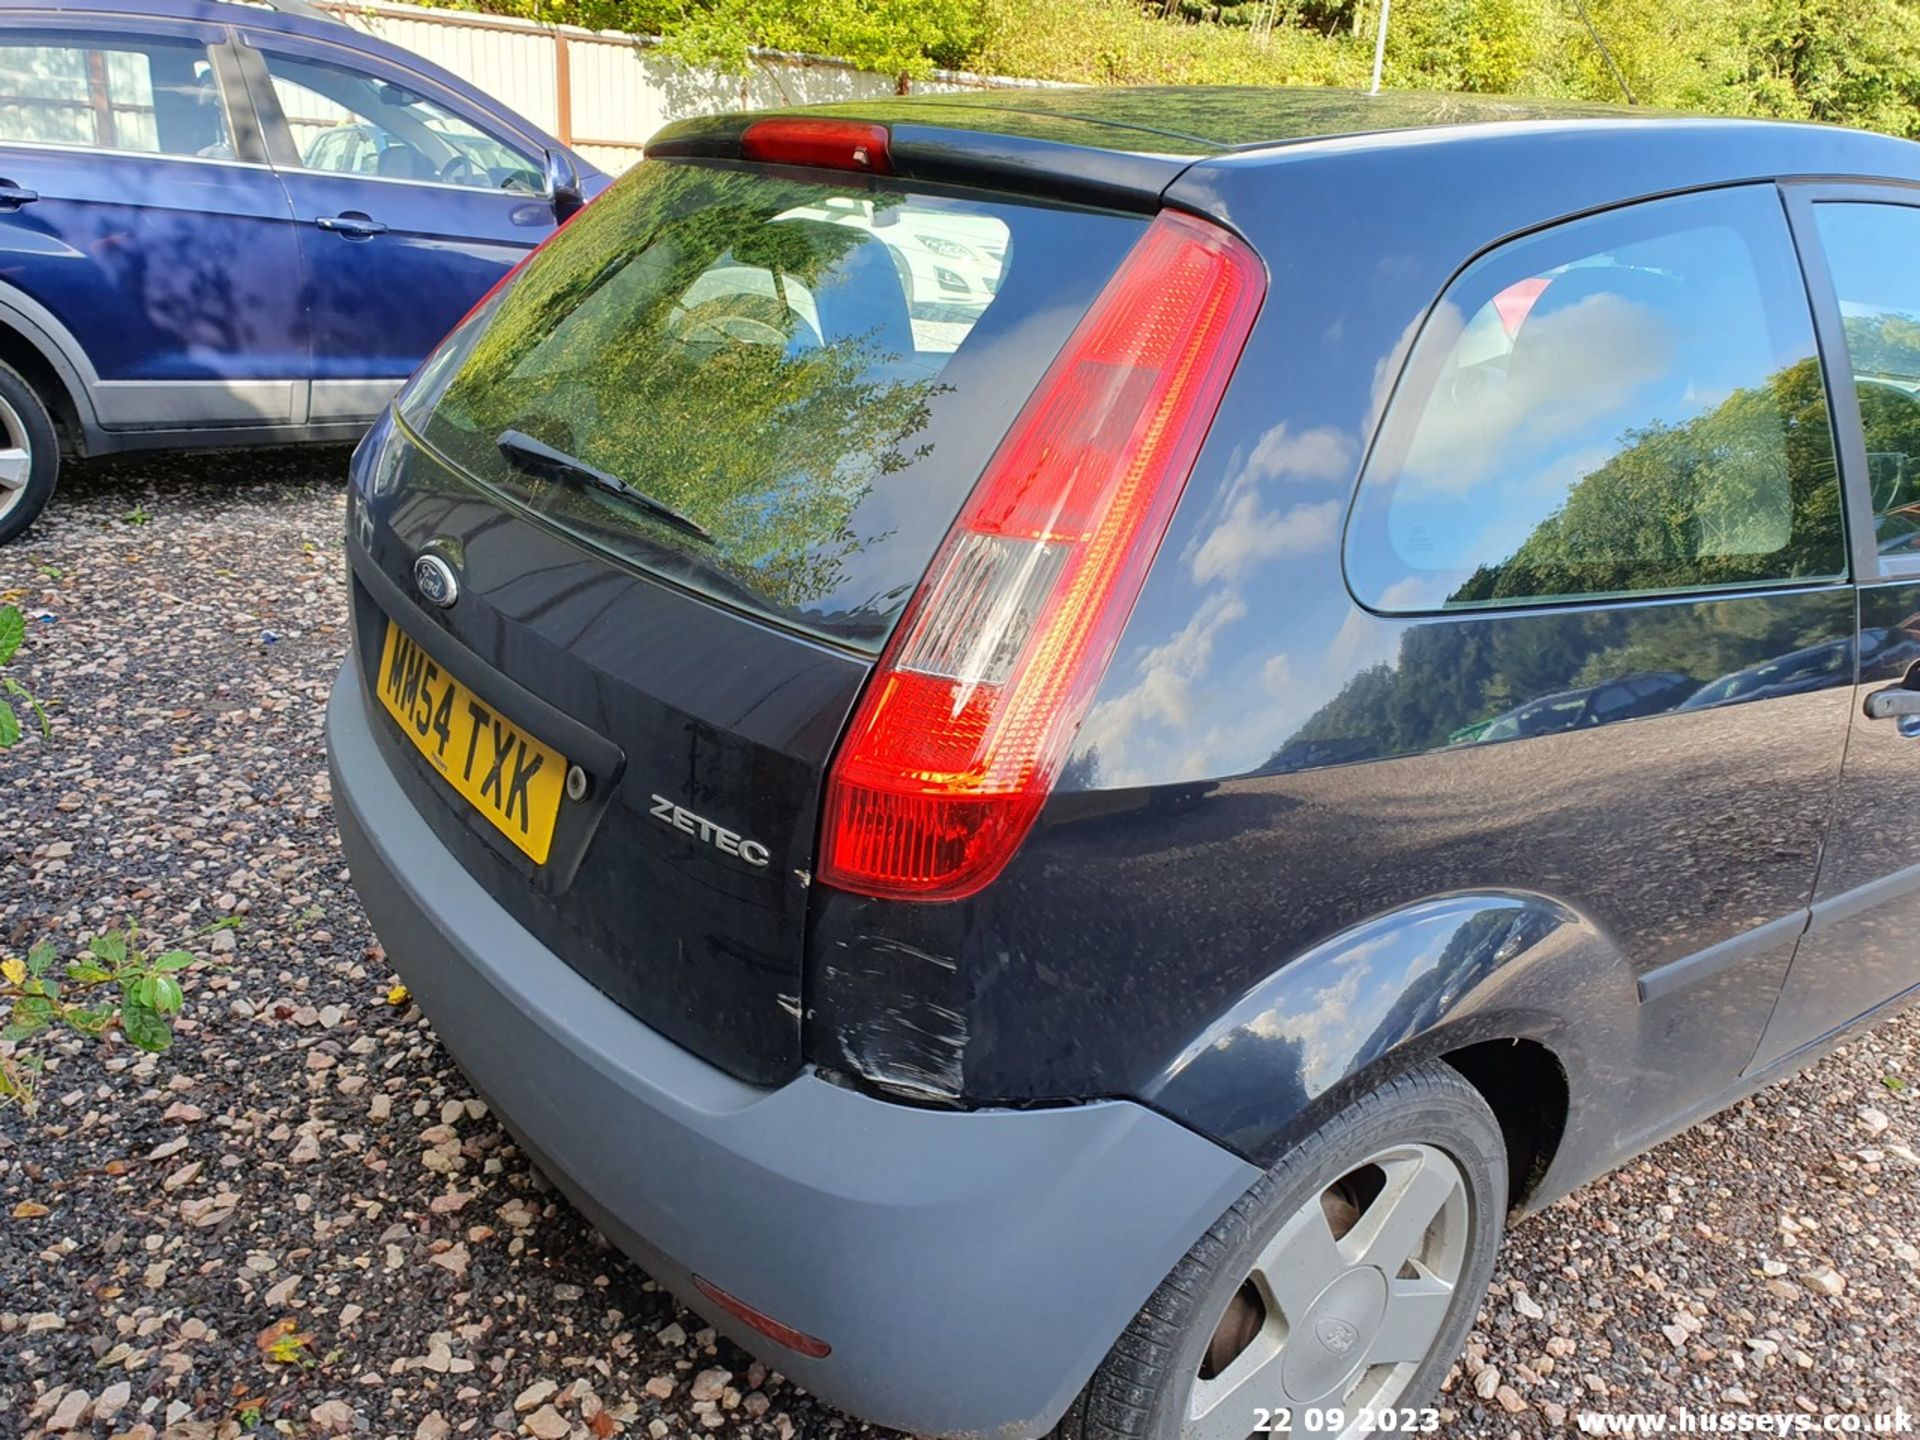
[962, 728]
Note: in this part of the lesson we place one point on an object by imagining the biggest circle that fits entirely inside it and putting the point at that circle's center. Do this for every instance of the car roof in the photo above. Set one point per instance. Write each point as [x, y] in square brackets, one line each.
[1131, 147]
[1203, 120]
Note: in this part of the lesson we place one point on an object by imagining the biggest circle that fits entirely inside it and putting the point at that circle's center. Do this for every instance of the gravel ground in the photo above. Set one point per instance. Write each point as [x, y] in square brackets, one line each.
[308, 1166]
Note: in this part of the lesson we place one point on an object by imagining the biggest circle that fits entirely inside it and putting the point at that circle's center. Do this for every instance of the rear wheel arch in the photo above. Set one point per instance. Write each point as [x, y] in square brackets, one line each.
[1513, 991]
[26, 349]
[1522, 1065]
[1524, 1083]
[22, 356]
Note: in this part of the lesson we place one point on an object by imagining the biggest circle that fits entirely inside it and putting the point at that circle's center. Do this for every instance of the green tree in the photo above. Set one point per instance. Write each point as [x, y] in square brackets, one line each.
[1852, 62]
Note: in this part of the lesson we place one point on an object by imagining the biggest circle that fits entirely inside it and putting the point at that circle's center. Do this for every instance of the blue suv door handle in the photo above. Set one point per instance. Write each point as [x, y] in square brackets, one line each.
[13, 196]
[352, 224]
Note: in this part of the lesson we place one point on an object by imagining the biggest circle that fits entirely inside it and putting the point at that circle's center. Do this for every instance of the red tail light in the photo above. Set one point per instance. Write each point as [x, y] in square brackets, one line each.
[962, 729]
[828, 144]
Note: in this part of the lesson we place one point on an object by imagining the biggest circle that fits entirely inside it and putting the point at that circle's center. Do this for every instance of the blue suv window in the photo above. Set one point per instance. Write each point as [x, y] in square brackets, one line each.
[1627, 404]
[146, 94]
[351, 123]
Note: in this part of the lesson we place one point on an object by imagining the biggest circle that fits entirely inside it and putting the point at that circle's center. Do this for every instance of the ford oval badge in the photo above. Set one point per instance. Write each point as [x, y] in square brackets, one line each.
[435, 581]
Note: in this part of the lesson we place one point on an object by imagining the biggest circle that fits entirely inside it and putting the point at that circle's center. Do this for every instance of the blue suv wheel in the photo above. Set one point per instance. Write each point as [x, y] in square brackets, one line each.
[29, 455]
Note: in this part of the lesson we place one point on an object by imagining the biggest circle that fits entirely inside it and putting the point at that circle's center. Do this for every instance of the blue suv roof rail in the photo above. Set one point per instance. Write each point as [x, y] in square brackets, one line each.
[302, 8]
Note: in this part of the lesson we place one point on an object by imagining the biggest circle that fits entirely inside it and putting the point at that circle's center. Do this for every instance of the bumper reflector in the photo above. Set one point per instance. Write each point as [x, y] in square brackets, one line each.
[797, 1341]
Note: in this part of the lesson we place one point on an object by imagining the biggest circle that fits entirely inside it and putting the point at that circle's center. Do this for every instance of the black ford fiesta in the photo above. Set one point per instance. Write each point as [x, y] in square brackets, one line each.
[1053, 750]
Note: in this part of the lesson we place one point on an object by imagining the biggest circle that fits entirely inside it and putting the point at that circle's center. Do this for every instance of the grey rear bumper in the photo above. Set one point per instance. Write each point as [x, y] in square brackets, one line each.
[968, 1269]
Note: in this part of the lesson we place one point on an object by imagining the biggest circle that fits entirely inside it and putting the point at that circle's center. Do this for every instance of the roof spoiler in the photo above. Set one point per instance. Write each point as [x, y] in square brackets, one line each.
[1077, 174]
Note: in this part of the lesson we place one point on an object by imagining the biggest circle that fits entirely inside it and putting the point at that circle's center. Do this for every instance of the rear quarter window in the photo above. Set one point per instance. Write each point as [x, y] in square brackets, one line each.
[1626, 404]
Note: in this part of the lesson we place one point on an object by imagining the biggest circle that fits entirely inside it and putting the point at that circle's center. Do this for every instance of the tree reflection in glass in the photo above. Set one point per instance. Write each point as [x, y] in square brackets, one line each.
[1623, 405]
[755, 354]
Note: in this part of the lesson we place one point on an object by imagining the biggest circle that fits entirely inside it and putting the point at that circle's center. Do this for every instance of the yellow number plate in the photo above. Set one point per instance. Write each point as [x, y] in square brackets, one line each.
[504, 773]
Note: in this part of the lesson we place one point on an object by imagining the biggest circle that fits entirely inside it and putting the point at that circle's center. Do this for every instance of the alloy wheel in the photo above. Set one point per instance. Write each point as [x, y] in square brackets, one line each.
[16, 458]
[1343, 1303]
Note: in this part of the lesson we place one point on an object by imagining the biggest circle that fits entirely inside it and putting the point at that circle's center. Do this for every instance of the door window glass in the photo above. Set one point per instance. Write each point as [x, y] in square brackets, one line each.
[1627, 404]
[352, 123]
[1870, 251]
[150, 95]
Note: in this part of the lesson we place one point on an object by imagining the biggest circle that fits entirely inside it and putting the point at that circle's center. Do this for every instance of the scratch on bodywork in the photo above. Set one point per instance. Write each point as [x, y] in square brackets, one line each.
[877, 945]
[912, 1043]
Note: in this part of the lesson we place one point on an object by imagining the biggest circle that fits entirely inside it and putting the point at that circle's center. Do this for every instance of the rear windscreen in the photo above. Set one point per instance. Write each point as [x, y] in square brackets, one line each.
[773, 391]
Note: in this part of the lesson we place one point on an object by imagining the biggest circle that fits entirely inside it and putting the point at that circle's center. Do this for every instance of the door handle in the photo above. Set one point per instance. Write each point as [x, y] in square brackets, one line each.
[13, 196]
[352, 224]
[1896, 702]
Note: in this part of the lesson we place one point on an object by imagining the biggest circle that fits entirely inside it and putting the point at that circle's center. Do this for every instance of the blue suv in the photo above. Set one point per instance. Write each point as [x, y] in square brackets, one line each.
[226, 224]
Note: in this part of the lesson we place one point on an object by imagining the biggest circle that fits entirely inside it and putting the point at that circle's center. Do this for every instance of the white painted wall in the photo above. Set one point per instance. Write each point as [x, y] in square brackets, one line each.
[621, 87]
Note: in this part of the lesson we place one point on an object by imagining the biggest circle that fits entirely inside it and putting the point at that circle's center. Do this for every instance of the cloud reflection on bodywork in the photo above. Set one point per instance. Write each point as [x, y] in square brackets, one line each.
[1262, 518]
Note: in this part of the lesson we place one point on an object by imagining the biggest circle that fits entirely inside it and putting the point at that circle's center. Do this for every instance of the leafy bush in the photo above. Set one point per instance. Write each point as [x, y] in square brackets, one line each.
[1477, 45]
[1110, 42]
[1853, 62]
[13, 629]
[893, 37]
[118, 984]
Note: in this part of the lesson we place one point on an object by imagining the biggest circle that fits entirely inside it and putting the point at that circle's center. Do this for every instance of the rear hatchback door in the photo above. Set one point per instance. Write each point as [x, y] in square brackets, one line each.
[684, 474]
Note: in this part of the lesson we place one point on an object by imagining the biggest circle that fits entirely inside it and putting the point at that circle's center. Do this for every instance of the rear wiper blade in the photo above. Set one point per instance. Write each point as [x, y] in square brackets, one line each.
[528, 454]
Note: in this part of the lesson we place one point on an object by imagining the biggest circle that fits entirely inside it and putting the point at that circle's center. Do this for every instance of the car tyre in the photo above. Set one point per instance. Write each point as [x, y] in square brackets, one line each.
[29, 454]
[1347, 1277]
